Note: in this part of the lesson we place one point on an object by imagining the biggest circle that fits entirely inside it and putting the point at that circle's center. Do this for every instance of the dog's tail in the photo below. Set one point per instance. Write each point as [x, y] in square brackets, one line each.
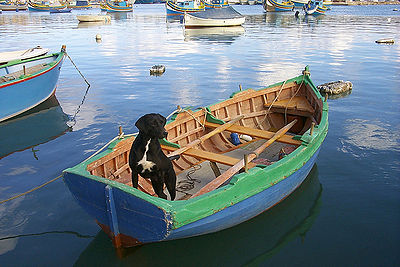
[171, 158]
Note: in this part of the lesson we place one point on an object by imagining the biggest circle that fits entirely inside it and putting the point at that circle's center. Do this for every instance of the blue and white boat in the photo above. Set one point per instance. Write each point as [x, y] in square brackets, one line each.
[208, 4]
[315, 8]
[278, 5]
[24, 84]
[181, 7]
[299, 3]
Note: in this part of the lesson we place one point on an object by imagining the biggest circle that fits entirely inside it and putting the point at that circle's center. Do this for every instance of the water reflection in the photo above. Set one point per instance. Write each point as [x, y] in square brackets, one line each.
[257, 239]
[214, 34]
[39, 125]
[92, 24]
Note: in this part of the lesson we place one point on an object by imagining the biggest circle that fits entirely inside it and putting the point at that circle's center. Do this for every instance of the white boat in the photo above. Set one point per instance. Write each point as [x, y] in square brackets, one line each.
[217, 17]
[244, 2]
[22, 54]
[251, 2]
[93, 18]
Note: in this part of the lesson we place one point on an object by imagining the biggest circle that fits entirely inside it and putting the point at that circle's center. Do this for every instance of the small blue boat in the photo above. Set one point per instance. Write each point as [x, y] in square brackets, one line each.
[180, 7]
[24, 84]
[215, 3]
[278, 5]
[315, 8]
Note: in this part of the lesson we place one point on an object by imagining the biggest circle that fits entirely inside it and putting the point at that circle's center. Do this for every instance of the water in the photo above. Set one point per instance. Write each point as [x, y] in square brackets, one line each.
[346, 214]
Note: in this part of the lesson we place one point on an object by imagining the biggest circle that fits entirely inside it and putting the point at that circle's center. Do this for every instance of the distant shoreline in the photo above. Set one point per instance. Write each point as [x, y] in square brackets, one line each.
[364, 3]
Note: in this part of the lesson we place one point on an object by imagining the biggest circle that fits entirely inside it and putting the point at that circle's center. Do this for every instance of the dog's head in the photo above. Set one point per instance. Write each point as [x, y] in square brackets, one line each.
[152, 125]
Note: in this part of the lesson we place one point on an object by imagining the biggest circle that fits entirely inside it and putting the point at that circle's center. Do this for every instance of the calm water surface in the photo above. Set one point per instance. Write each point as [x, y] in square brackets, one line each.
[347, 213]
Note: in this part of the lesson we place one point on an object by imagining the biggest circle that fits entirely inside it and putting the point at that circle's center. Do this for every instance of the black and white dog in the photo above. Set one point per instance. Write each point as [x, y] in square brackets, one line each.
[147, 159]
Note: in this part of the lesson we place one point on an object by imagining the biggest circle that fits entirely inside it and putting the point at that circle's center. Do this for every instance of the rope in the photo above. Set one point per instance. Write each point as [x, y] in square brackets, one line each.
[30, 191]
[76, 68]
[269, 108]
[73, 119]
[188, 184]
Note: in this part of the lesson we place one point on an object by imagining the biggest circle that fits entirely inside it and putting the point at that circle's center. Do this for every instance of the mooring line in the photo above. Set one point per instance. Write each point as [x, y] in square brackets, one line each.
[76, 67]
[33, 189]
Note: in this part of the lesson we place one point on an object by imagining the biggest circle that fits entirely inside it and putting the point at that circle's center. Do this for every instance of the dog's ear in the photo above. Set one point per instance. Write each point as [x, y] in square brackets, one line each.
[140, 123]
[162, 119]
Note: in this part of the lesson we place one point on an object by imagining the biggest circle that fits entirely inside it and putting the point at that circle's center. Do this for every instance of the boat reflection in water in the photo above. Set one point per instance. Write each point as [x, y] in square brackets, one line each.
[39, 125]
[257, 239]
[217, 34]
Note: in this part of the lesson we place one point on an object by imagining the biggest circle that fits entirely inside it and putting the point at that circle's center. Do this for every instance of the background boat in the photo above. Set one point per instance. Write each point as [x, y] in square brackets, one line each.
[79, 4]
[13, 6]
[45, 122]
[278, 5]
[214, 17]
[44, 6]
[180, 7]
[6, 57]
[25, 84]
[116, 6]
[214, 3]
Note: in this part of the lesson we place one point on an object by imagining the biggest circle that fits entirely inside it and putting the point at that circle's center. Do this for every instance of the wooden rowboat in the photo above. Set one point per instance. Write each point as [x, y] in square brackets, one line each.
[220, 184]
[24, 84]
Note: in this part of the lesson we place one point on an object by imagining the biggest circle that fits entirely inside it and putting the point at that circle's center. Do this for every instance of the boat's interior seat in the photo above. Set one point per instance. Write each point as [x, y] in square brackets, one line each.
[298, 105]
[18, 74]
[287, 139]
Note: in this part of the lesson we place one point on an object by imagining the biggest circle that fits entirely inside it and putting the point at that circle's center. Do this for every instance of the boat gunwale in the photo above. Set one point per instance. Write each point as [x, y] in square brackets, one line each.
[182, 210]
[51, 65]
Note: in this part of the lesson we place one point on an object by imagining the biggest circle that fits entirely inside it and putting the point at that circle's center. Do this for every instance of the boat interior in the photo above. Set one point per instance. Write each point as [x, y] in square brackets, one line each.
[264, 120]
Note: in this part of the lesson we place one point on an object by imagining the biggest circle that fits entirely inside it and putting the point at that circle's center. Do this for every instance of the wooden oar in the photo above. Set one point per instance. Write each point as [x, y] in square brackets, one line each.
[234, 169]
[217, 130]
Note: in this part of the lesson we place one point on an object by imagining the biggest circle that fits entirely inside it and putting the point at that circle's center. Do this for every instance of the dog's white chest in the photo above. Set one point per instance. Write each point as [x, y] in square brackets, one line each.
[146, 164]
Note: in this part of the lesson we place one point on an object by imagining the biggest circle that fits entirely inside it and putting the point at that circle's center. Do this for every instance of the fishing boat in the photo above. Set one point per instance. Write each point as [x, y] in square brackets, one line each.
[60, 10]
[12, 6]
[93, 18]
[214, 3]
[220, 184]
[79, 4]
[44, 6]
[24, 84]
[181, 7]
[116, 6]
[214, 17]
[6, 57]
[278, 5]
[39, 125]
[315, 8]
[299, 3]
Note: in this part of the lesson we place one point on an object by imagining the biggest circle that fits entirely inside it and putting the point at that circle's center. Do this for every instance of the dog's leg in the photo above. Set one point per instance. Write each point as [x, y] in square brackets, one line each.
[158, 188]
[170, 181]
[135, 179]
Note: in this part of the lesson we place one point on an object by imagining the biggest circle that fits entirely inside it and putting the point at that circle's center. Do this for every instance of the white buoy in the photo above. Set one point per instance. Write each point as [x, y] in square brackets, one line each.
[98, 37]
[245, 137]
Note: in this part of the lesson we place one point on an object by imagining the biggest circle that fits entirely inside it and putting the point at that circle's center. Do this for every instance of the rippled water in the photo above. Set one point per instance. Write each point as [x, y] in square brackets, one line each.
[346, 214]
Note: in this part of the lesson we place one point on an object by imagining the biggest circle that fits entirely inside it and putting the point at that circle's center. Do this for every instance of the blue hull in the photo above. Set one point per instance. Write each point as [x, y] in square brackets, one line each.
[22, 94]
[135, 221]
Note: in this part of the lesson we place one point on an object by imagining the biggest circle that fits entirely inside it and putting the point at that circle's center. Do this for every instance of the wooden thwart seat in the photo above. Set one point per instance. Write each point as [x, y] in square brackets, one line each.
[287, 139]
[298, 105]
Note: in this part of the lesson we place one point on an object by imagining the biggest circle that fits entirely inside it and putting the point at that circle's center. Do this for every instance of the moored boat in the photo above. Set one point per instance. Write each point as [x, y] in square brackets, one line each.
[60, 10]
[289, 118]
[79, 4]
[93, 18]
[22, 54]
[278, 5]
[215, 3]
[299, 3]
[13, 6]
[24, 84]
[315, 8]
[116, 6]
[45, 6]
[181, 7]
[220, 17]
